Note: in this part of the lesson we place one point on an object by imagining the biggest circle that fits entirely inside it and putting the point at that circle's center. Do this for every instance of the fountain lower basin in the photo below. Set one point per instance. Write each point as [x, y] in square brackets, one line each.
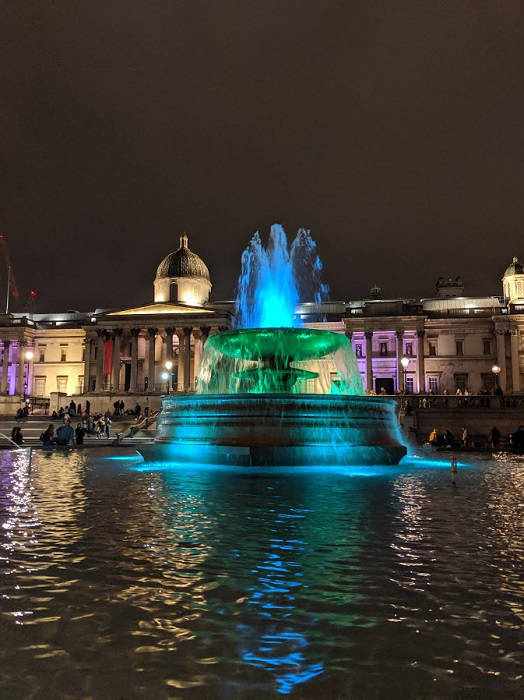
[276, 430]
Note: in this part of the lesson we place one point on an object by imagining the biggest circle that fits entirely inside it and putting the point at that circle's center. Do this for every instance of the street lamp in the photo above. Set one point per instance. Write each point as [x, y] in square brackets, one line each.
[167, 374]
[29, 354]
[496, 372]
[404, 362]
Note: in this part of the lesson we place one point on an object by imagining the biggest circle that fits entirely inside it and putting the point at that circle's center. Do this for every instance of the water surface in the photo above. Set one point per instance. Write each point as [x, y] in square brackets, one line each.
[120, 580]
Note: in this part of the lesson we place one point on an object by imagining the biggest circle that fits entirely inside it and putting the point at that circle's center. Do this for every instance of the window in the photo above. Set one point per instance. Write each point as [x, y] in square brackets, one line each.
[459, 345]
[358, 350]
[461, 382]
[41, 353]
[409, 349]
[61, 385]
[63, 353]
[486, 347]
[39, 386]
[433, 385]
[383, 349]
[409, 385]
[432, 348]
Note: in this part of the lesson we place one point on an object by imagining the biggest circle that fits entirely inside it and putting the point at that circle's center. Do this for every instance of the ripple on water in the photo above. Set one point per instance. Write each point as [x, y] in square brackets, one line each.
[120, 580]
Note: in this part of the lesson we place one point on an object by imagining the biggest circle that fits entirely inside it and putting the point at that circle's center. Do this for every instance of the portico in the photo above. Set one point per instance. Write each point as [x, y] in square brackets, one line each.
[126, 352]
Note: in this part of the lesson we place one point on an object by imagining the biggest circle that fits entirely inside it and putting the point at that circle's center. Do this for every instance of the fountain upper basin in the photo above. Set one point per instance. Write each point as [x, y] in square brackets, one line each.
[276, 430]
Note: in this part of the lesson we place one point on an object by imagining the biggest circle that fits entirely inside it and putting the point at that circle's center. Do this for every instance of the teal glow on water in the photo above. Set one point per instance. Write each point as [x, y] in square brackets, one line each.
[123, 579]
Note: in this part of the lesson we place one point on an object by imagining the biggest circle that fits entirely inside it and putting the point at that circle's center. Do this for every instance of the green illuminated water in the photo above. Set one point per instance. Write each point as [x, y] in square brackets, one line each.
[279, 360]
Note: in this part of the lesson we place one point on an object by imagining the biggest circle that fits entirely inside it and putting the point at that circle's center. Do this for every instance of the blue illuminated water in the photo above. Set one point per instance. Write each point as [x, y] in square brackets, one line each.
[274, 278]
[123, 580]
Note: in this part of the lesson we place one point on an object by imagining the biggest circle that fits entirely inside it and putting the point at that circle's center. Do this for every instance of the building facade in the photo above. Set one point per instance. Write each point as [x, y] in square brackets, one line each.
[431, 345]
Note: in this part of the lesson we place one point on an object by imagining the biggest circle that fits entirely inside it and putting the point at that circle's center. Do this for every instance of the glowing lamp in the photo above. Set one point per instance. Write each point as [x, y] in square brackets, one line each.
[164, 376]
[404, 362]
[29, 354]
[496, 370]
[168, 364]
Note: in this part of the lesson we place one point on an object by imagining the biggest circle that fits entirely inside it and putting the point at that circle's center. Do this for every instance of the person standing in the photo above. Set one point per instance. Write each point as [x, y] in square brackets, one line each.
[495, 438]
[100, 427]
[80, 432]
[454, 470]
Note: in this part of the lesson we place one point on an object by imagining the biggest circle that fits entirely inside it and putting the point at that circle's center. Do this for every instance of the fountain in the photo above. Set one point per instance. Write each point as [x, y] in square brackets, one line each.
[272, 392]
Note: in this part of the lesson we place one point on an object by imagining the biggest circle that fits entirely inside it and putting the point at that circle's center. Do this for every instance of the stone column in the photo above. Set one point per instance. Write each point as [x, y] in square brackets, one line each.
[117, 354]
[399, 334]
[99, 386]
[421, 368]
[87, 362]
[30, 370]
[150, 356]
[369, 360]
[19, 385]
[169, 344]
[5, 367]
[187, 359]
[133, 383]
[501, 358]
[515, 361]
[181, 364]
[200, 335]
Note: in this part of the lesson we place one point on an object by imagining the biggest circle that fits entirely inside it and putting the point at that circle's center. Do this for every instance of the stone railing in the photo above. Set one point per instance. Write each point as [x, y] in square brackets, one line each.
[441, 402]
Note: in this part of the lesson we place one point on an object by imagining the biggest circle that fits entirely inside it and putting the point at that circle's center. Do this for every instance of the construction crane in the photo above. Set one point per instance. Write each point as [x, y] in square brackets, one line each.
[12, 289]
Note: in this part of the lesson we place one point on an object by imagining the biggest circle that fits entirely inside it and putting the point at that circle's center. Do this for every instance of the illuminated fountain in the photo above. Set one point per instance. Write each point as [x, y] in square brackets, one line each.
[272, 392]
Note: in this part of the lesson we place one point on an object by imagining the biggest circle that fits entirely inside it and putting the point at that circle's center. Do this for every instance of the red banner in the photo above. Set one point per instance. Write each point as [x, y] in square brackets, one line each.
[108, 356]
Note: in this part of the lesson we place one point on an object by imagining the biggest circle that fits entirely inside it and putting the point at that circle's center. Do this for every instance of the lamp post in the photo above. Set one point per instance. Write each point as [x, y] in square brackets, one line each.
[167, 375]
[28, 356]
[404, 362]
[496, 372]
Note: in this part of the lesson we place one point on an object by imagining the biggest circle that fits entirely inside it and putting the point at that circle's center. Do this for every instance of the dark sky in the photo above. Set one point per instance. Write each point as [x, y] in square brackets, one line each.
[393, 130]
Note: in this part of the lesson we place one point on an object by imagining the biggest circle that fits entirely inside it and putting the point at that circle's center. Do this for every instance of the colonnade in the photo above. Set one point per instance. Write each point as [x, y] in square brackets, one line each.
[14, 356]
[507, 353]
[181, 346]
[399, 353]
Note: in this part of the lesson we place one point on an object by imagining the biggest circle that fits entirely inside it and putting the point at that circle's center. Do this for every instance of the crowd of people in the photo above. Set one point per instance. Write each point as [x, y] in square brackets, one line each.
[87, 423]
[445, 439]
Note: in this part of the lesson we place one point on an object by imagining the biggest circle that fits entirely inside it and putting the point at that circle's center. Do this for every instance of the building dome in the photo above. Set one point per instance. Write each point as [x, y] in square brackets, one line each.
[182, 263]
[515, 268]
[513, 282]
[182, 277]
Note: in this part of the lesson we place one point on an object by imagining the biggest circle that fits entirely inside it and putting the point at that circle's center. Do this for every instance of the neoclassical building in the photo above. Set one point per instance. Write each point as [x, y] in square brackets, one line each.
[448, 340]
[114, 353]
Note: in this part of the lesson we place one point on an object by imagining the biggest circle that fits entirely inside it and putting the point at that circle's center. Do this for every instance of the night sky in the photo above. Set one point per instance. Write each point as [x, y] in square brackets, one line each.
[393, 130]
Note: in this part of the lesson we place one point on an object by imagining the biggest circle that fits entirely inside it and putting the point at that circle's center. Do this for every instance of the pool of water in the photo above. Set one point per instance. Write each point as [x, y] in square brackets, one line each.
[120, 580]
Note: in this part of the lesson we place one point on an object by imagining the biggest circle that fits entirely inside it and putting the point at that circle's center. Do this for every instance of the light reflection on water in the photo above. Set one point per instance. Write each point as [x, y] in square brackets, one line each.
[119, 578]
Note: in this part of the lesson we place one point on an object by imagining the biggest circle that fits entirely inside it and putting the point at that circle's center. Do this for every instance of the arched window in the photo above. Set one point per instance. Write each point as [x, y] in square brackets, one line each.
[173, 292]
